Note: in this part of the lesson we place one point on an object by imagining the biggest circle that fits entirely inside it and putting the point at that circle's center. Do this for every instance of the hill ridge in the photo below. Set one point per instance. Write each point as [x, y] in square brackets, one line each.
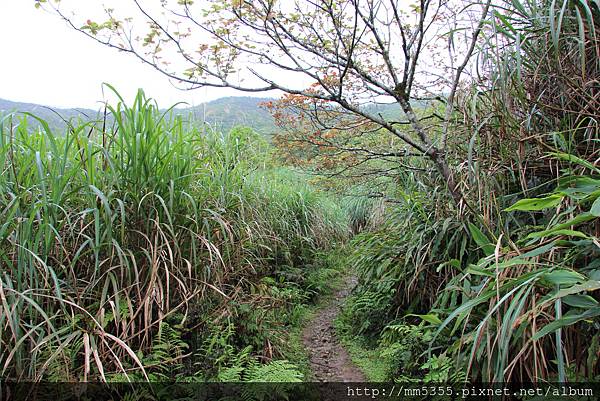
[223, 113]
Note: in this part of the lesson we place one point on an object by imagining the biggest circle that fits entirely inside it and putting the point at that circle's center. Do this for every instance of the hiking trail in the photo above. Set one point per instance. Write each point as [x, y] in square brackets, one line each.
[329, 360]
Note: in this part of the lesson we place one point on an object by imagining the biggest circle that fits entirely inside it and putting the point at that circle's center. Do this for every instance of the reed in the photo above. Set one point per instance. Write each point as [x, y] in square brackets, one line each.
[111, 232]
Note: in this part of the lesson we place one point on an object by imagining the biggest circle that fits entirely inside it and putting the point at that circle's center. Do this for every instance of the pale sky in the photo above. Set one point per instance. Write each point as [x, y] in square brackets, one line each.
[46, 62]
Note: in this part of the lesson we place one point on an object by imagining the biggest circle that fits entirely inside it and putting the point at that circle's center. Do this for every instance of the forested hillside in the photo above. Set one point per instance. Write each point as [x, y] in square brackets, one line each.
[221, 114]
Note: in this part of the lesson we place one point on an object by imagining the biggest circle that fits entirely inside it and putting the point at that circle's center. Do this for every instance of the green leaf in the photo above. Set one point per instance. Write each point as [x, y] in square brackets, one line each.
[430, 318]
[465, 308]
[594, 275]
[581, 218]
[481, 240]
[535, 204]
[563, 277]
[588, 286]
[520, 261]
[595, 210]
[472, 269]
[579, 187]
[580, 301]
[577, 160]
[554, 233]
[538, 251]
[454, 263]
[567, 320]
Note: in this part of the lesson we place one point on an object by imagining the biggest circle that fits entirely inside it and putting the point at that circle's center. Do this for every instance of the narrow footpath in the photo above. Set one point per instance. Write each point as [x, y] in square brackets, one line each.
[329, 359]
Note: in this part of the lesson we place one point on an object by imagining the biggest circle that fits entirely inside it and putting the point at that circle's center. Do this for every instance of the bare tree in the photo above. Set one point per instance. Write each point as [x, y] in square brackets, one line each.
[355, 52]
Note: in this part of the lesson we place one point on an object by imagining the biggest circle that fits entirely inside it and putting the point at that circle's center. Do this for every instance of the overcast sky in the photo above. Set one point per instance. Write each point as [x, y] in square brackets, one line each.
[44, 61]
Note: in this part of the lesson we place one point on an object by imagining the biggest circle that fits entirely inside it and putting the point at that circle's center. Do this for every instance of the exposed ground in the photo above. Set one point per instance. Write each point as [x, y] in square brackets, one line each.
[329, 360]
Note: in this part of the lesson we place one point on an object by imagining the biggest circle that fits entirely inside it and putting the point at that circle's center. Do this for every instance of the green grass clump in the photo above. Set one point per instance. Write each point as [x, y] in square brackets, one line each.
[123, 249]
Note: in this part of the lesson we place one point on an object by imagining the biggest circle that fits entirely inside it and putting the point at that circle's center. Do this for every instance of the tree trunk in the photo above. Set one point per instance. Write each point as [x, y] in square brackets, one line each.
[442, 166]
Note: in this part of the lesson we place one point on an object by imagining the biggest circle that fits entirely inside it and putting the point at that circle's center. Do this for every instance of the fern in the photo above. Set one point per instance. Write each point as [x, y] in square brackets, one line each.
[281, 372]
[274, 372]
[438, 369]
[168, 349]
[369, 310]
[404, 346]
[234, 372]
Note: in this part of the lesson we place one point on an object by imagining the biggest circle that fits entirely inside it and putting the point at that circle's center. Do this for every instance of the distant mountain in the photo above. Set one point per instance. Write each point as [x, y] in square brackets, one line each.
[227, 112]
[222, 114]
[55, 117]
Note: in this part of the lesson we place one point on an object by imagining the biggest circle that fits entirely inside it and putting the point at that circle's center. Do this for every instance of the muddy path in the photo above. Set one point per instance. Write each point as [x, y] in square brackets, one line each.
[329, 360]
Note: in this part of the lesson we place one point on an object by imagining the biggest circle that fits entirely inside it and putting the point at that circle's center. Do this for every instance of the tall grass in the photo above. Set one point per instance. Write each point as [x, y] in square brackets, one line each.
[511, 294]
[108, 235]
[529, 304]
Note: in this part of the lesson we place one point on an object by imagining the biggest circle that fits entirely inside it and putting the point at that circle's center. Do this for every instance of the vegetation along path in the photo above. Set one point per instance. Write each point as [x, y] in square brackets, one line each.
[329, 360]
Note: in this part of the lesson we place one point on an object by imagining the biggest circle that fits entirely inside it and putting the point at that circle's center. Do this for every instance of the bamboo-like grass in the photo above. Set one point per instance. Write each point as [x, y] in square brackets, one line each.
[108, 231]
[534, 124]
[512, 293]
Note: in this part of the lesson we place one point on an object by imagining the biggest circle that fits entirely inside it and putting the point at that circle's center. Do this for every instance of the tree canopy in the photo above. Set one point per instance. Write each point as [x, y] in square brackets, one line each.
[346, 53]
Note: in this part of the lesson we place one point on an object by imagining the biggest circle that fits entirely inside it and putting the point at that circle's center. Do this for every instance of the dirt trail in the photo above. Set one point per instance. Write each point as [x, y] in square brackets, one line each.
[329, 360]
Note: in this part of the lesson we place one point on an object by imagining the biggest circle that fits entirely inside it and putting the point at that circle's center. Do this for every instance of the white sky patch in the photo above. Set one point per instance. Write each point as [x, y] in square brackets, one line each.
[44, 61]
[47, 62]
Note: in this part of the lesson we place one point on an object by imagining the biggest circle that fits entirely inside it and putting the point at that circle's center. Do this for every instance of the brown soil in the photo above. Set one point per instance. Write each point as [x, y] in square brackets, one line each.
[329, 360]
